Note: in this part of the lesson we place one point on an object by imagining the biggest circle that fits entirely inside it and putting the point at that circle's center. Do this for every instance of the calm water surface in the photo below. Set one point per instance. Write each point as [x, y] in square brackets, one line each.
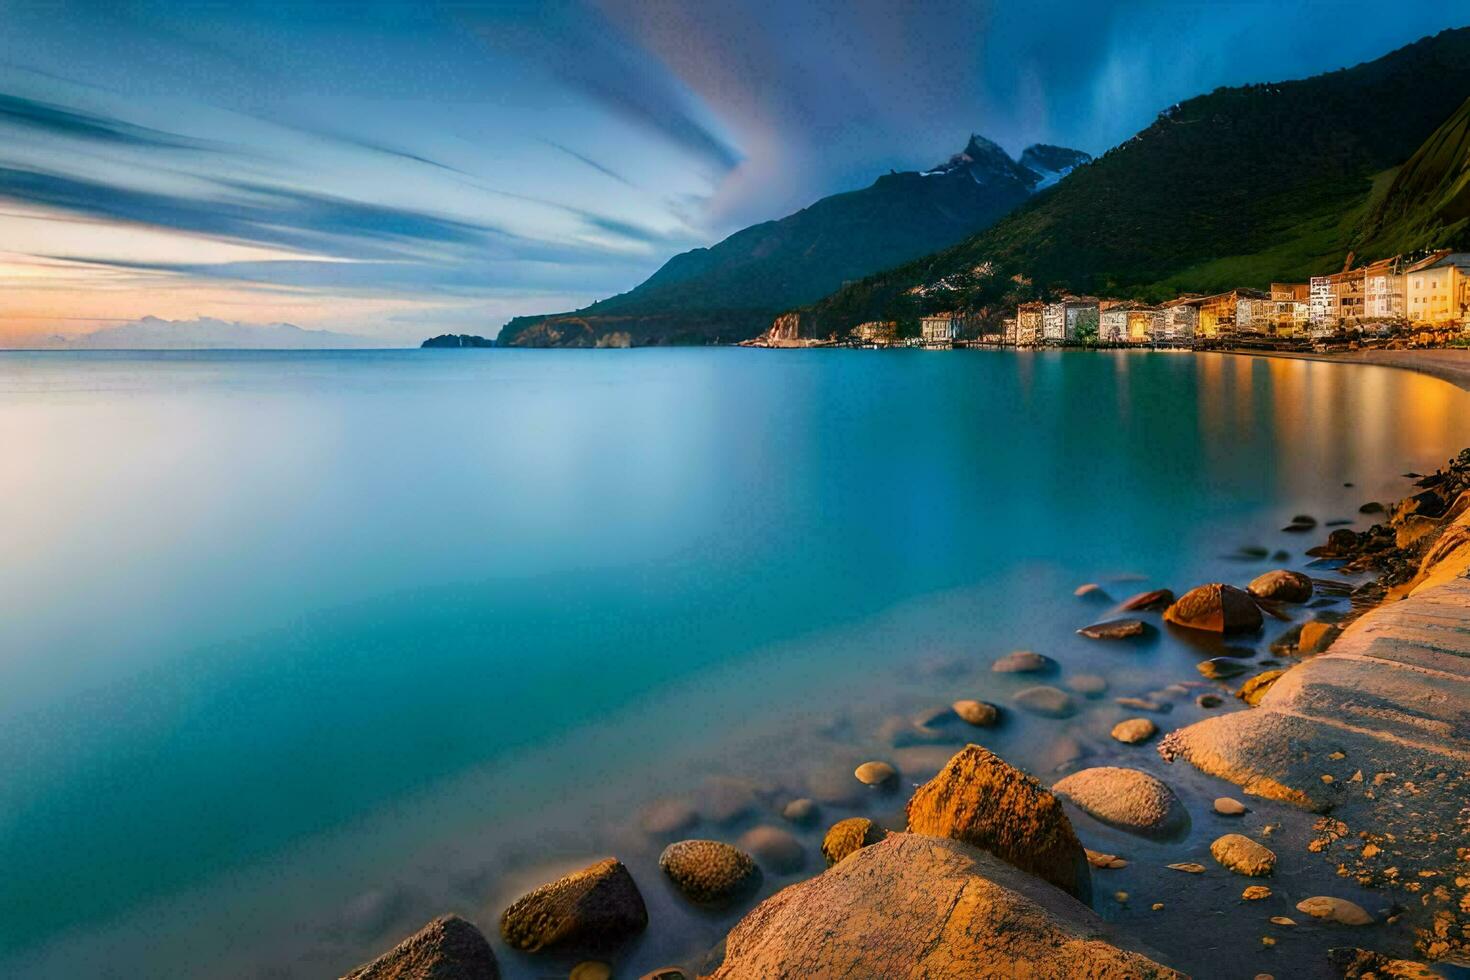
[297, 650]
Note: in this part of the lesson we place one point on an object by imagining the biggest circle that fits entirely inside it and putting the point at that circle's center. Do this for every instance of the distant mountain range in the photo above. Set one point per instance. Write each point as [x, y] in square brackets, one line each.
[731, 290]
[205, 333]
[1234, 188]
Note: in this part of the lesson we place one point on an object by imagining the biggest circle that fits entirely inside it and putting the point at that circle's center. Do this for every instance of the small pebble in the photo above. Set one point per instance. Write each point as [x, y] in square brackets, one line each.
[1268, 940]
[1189, 867]
[981, 714]
[1255, 893]
[874, 773]
[1281, 920]
[1228, 806]
[1157, 906]
[1209, 701]
[802, 811]
[1122, 897]
[591, 970]
[1134, 730]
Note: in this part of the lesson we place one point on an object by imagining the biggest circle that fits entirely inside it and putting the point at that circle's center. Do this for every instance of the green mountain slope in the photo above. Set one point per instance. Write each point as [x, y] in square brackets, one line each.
[731, 290]
[1234, 188]
[1428, 203]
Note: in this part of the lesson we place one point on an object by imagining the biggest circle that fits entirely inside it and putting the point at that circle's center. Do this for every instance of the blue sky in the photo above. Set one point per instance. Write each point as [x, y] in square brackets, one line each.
[400, 169]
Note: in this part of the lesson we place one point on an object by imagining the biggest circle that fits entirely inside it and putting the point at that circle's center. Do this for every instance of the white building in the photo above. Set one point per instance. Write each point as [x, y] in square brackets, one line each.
[938, 328]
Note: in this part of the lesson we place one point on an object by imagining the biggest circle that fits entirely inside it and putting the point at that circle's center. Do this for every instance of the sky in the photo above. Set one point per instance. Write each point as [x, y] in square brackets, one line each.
[394, 170]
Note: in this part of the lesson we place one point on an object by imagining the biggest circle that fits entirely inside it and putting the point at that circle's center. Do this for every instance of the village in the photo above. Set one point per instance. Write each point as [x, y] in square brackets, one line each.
[1391, 302]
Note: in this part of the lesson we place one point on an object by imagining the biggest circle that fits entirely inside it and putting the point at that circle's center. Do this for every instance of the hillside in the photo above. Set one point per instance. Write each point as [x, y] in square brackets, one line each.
[731, 290]
[1233, 188]
[1428, 203]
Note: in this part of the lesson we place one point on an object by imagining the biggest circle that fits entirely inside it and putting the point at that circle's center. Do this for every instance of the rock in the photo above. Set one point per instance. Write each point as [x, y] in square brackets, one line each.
[1334, 909]
[591, 970]
[1087, 685]
[1372, 507]
[835, 787]
[915, 906]
[1228, 806]
[1281, 585]
[1152, 599]
[979, 799]
[1254, 893]
[1134, 730]
[1316, 636]
[800, 811]
[598, 905]
[1100, 860]
[1282, 920]
[1046, 701]
[901, 732]
[665, 973]
[1306, 519]
[1221, 668]
[777, 850]
[1254, 689]
[875, 773]
[1413, 530]
[981, 714]
[1242, 855]
[1115, 629]
[1209, 700]
[1188, 867]
[1342, 541]
[1091, 590]
[846, 837]
[1426, 504]
[1128, 799]
[726, 799]
[1216, 608]
[449, 948]
[1023, 662]
[1144, 704]
[707, 871]
[667, 818]
[1362, 964]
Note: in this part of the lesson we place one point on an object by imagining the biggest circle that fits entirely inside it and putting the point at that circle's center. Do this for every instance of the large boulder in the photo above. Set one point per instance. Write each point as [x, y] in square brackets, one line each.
[599, 905]
[980, 799]
[923, 907]
[449, 948]
[707, 870]
[1128, 799]
[1216, 608]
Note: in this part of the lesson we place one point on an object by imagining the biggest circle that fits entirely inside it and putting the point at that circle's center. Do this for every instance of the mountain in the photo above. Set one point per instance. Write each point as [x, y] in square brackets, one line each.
[1428, 204]
[205, 333]
[731, 290]
[1234, 188]
[453, 340]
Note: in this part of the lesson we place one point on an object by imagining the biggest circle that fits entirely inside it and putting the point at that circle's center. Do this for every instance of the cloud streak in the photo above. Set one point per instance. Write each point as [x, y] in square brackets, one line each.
[20, 112]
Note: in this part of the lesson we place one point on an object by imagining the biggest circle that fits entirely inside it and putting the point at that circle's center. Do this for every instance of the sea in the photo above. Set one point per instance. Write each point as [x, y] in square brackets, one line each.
[301, 649]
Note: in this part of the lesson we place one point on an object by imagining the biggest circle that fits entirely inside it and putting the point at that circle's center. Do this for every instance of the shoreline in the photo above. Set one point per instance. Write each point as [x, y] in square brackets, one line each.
[1281, 819]
[1446, 364]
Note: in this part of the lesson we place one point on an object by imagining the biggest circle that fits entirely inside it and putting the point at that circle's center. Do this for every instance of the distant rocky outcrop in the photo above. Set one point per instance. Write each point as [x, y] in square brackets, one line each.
[730, 291]
[457, 340]
[917, 906]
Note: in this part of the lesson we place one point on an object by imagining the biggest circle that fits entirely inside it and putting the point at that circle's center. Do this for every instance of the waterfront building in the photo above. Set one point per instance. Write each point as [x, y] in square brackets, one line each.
[1144, 324]
[1322, 305]
[876, 331]
[1069, 319]
[1112, 322]
[1291, 291]
[1437, 290]
[1181, 319]
[1384, 289]
[1217, 313]
[1008, 331]
[937, 328]
[1028, 323]
[1054, 323]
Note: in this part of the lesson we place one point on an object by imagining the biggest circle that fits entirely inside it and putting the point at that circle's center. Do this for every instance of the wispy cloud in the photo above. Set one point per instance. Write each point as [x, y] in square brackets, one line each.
[56, 120]
[600, 168]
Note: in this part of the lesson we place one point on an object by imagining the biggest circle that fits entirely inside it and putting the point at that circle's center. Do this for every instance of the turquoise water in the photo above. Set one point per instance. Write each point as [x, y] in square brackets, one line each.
[283, 635]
